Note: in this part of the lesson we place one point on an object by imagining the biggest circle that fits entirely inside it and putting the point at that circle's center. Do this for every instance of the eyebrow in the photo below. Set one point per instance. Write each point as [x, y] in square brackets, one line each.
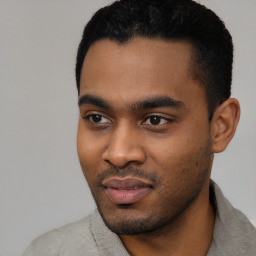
[93, 100]
[146, 103]
[157, 102]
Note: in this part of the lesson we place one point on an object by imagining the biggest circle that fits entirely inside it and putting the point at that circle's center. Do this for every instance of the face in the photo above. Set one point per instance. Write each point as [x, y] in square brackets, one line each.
[143, 135]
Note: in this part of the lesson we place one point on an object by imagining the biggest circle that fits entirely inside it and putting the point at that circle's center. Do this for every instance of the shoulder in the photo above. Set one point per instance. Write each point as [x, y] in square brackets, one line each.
[233, 231]
[71, 239]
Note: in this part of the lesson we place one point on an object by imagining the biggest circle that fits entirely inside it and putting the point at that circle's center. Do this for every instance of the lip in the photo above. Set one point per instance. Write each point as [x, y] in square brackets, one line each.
[126, 190]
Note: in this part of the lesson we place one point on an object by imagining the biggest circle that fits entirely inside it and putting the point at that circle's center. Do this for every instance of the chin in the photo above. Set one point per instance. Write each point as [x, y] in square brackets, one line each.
[130, 224]
[127, 220]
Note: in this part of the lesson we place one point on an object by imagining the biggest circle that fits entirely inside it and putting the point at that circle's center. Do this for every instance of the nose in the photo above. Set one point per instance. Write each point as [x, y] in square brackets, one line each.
[124, 148]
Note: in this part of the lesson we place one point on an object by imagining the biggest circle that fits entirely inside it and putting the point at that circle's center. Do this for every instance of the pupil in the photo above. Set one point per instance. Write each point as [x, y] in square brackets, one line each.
[96, 118]
[155, 120]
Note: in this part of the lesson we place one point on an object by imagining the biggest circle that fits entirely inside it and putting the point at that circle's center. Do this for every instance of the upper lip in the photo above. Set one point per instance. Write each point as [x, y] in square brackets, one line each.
[125, 183]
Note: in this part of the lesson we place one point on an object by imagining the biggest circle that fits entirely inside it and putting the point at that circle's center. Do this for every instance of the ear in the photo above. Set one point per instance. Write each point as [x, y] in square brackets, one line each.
[224, 123]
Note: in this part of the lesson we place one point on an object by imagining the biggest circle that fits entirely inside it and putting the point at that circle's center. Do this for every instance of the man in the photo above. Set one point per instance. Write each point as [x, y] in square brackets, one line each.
[154, 79]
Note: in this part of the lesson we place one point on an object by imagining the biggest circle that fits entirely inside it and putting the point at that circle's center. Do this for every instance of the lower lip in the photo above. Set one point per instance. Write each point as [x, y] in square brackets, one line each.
[118, 196]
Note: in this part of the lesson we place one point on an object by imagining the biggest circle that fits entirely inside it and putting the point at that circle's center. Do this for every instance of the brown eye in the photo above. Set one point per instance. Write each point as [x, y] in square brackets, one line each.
[96, 118]
[155, 120]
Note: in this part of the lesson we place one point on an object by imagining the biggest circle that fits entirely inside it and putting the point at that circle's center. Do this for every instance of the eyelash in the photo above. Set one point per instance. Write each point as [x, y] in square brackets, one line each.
[168, 120]
[102, 125]
[87, 118]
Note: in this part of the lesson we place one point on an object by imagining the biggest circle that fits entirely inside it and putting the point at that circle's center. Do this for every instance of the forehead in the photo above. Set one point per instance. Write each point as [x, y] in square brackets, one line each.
[139, 68]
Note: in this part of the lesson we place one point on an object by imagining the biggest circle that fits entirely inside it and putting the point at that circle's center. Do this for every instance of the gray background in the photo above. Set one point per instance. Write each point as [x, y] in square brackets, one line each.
[41, 185]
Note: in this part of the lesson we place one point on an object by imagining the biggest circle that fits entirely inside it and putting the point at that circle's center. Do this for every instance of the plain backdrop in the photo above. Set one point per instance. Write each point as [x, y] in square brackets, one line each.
[41, 184]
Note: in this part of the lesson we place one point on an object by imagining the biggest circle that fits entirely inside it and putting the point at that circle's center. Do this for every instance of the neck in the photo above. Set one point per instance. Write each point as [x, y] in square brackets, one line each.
[191, 234]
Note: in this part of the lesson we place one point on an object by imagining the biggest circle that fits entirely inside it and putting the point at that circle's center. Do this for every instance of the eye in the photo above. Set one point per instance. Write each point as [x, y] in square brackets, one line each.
[157, 120]
[97, 119]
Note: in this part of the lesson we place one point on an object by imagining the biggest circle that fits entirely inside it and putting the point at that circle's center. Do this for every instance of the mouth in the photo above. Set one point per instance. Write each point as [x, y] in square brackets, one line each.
[126, 190]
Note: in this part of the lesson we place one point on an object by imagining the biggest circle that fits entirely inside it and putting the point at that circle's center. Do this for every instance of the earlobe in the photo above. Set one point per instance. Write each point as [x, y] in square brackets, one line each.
[224, 123]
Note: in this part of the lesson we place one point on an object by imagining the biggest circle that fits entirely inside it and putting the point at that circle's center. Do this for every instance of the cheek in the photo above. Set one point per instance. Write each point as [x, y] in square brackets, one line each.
[173, 150]
[184, 150]
[184, 171]
[88, 152]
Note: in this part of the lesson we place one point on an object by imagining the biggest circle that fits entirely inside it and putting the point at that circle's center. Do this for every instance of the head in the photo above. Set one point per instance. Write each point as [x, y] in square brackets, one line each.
[169, 20]
[154, 82]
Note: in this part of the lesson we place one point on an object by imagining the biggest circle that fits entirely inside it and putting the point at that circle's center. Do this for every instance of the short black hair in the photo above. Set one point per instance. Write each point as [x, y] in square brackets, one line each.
[171, 20]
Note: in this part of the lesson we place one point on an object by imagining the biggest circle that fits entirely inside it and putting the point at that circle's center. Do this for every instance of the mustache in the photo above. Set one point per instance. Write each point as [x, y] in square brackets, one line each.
[128, 171]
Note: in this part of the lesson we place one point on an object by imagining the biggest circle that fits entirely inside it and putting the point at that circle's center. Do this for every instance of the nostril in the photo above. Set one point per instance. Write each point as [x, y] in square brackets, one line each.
[125, 158]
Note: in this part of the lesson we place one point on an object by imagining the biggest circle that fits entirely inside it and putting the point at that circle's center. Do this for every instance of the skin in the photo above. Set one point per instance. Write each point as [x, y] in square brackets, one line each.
[169, 146]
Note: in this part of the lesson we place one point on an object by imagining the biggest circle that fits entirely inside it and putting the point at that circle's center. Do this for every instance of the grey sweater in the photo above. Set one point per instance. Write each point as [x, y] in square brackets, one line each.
[233, 235]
